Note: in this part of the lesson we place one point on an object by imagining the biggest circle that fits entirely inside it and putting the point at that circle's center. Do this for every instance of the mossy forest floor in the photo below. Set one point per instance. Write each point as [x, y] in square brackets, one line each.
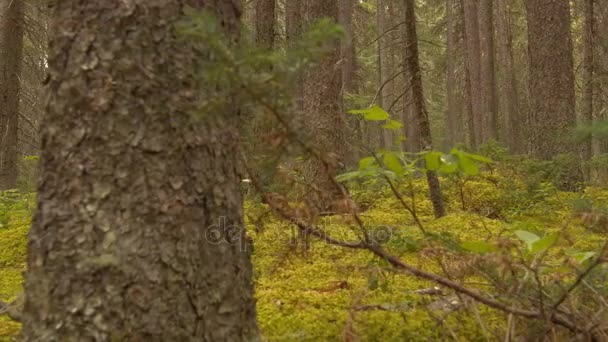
[332, 293]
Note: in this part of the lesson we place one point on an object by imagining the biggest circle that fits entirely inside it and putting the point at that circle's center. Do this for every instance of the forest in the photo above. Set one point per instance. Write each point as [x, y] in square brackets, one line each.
[303, 170]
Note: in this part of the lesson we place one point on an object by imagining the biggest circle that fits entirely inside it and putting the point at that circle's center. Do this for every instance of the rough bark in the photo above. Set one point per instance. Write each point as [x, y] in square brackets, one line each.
[324, 120]
[551, 80]
[293, 31]
[412, 64]
[350, 81]
[265, 23]
[473, 62]
[138, 231]
[453, 103]
[386, 62]
[11, 54]
[510, 126]
[487, 77]
[588, 73]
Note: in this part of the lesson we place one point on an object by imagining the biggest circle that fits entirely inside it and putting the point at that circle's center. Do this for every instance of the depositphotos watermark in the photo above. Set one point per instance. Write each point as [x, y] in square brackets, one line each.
[283, 232]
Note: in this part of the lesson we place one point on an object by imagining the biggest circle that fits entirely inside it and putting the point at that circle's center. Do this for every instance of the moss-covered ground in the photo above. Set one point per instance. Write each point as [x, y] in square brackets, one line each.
[331, 293]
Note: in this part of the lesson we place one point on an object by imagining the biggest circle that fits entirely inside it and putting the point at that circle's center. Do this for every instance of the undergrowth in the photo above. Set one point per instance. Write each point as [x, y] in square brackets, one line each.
[330, 293]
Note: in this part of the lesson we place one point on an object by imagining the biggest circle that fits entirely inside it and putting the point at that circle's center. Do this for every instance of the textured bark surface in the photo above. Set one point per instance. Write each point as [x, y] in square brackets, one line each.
[453, 101]
[510, 132]
[412, 64]
[324, 120]
[473, 61]
[588, 72]
[551, 82]
[137, 235]
[350, 81]
[487, 78]
[265, 23]
[11, 53]
[386, 62]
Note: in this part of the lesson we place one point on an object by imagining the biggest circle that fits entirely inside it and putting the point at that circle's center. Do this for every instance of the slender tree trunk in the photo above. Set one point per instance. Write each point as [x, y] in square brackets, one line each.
[473, 61]
[511, 127]
[601, 65]
[412, 64]
[293, 31]
[265, 23]
[487, 78]
[387, 69]
[11, 54]
[324, 120]
[454, 116]
[350, 81]
[552, 98]
[588, 73]
[138, 231]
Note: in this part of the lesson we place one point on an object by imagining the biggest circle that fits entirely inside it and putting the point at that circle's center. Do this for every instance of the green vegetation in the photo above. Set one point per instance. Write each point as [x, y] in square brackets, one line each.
[330, 292]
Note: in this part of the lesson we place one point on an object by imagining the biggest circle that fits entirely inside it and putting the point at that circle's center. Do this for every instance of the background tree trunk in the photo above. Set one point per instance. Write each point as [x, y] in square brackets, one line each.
[473, 61]
[350, 81]
[265, 23]
[412, 64]
[510, 125]
[138, 231]
[551, 77]
[487, 79]
[324, 120]
[453, 103]
[11, 54]
[588, 74]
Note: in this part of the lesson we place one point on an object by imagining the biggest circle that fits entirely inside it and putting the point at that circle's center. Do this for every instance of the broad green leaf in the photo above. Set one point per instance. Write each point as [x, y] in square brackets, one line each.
[467, 165]
[392, 163]
[581, 257]
[375, 113]
[393, 125]
[432, 160]
[527, 237]
[449, 164]
[544, 243]
[366, 162]
[479, 247]
[476, 157]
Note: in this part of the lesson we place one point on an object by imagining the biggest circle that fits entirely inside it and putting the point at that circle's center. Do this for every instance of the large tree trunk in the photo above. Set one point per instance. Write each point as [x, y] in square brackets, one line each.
[412, 64]
[11, 53]
[551, 85]
[487, 79]
[138, 231]
[510, 131]
[473, 63]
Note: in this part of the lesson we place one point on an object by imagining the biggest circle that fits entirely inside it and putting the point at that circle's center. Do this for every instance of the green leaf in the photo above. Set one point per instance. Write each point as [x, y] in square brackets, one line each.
[479, 247]
[392, 163]
[449, 164]
[467, 165]
[527, 237]
[544, 243]
[366, 162]
[476, 157]
[393, 125]
[375, 113]
[581, 257]
[432, 160]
